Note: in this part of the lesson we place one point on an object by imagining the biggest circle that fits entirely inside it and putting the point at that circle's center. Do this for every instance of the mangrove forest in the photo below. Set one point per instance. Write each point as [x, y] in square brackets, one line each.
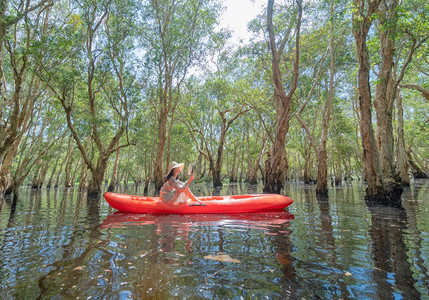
[97, 93]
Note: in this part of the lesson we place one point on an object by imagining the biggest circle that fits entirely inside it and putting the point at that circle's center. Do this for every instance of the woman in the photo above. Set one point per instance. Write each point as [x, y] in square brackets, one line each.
[174, 192]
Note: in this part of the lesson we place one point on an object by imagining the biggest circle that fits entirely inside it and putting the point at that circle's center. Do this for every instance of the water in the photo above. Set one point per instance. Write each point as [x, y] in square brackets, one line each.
[57, 244]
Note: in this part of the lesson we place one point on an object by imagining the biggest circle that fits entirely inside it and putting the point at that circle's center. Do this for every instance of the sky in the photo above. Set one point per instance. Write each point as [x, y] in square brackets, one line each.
[238, 14]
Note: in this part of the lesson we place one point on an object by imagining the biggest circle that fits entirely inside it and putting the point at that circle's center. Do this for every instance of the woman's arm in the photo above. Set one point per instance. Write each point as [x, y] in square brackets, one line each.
[180, 186]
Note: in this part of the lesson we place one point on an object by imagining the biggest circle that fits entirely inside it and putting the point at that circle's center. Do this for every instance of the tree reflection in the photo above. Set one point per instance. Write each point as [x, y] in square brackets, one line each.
[413, 212]
[390, 253]
[284, 257]
[329, 240]
[77, 249]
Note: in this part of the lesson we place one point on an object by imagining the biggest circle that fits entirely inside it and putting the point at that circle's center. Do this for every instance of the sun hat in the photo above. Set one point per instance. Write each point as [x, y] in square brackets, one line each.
[175, 165]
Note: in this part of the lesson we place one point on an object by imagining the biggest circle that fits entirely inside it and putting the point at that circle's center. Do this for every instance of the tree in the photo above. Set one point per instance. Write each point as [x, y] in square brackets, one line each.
[363, 16]
[398, 43]
[101, 112]
[275, 168]
[221, 108]
[174, 34]
[19, 88]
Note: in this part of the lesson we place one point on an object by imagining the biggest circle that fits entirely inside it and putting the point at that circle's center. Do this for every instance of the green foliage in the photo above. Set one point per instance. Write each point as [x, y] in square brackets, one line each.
[142, 58]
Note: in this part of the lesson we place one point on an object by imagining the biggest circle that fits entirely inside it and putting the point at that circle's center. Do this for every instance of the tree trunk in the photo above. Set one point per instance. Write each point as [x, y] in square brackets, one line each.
[401, 153]
[42, 175]
[322, 156]
[113, 182]
[307, 165]
[199, 166]
[51, 178]
[234, 167]
[217, 179]
[371, 158]
[60, 171]
[385, 91]
[252, 176]
[376, 190]
[322, 172]
[241, 166]
[97, 178]
[83, 182]
[158, 174]
[75, 170]
[417, 171]
[34, 180]
[68, 169]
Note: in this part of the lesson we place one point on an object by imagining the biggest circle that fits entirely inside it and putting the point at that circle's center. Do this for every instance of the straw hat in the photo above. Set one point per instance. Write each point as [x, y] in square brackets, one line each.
[175, 165]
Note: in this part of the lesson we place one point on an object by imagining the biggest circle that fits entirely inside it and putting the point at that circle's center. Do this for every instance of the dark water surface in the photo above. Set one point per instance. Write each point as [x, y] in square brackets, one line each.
[58, 244]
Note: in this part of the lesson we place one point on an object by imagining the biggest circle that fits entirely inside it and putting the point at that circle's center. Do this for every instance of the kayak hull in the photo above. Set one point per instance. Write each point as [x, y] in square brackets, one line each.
[210, 205]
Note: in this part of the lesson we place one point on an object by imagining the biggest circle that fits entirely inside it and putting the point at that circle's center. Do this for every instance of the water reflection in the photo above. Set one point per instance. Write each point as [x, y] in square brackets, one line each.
[329, 239]
[61, 244]
[390, 253]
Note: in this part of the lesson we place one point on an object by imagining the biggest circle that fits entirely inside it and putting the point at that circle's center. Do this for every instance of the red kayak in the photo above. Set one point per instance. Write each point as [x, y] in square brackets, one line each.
[208, 205]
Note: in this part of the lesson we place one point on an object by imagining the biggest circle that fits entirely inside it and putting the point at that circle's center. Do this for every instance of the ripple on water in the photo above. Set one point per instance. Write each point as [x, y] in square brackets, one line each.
[59, 244]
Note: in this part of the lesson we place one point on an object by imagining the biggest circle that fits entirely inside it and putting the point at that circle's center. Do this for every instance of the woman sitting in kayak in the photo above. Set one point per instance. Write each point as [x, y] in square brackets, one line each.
[174, 192]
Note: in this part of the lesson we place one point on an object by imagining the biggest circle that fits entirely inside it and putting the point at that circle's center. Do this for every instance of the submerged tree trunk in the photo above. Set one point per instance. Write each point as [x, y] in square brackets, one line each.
[416, 170]
[217, 166]
[34, 180]
[51, 177]
[42, 175]
[19, 108]
[276, 167]
[401, 153]
[385, 91]
[158, 175]
[322, 156]
[376, 190]
[83, 182]
[96, 182]
[371, 160]
[114, 180]
[68, 170]
[234, 166]
[307, 178]
[252, 175]
[60, 171]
